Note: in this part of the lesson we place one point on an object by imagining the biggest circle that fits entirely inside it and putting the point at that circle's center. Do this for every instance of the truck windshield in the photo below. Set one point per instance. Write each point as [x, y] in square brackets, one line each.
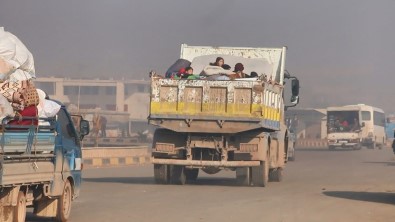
[343, 121]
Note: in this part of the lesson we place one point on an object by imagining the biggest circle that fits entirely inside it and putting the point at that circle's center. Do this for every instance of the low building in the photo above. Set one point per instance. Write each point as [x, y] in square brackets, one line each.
[130, 96]
[311, 122]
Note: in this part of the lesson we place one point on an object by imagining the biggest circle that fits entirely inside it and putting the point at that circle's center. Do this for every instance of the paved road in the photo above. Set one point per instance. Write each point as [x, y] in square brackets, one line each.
[319, 186]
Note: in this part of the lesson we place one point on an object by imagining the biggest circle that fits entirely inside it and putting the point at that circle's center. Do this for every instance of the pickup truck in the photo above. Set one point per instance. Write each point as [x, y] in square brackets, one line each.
[40, 166]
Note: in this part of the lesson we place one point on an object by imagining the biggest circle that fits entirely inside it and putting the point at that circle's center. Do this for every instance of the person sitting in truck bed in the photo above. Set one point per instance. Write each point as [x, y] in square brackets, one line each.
[189, 73]
[216, 70]
[239, 68]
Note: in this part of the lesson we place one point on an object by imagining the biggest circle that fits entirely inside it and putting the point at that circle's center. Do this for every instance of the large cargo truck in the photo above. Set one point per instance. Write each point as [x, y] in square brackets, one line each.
[40, 166]
[222, 124]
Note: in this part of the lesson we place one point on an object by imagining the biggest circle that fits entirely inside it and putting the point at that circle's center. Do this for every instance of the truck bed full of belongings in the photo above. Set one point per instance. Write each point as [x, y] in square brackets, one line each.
[18, 95]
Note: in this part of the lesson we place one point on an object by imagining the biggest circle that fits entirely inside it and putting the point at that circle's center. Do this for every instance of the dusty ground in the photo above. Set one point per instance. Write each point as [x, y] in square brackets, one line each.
[319, 186]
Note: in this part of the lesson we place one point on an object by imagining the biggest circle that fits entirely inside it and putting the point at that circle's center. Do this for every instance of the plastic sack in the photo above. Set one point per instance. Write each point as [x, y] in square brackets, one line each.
[14, 58]
[23, 56]
[19, 75]
[48, 108]
[5, 69]
[5, 108]
[7, 46]
[7, 54]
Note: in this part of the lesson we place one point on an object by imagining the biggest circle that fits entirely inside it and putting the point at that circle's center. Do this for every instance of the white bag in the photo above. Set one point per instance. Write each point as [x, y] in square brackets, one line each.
[19, 75]
[5, 69]
[46, 108]
[7, 54]
[51, 108]
[22, 56]
[7, 46]
[5, 108]
[14, 56]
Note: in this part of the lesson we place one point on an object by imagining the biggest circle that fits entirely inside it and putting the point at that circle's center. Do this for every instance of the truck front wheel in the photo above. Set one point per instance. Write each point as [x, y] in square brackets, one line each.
[64, 203]
[19, 213]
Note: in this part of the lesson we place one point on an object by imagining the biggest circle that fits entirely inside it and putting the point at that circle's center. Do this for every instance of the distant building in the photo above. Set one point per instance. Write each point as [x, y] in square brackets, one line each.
[311, 122]
[131, 96]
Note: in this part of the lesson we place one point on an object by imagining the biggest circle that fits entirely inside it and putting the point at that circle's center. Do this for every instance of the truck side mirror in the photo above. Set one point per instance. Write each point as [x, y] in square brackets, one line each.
[295, 99]
[295, 87]
[84, 128]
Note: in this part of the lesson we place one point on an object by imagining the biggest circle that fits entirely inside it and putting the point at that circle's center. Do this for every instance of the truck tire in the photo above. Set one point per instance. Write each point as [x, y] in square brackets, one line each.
[161, 174]
[64, 203]
[243, 176]
[211, 170]
[276, 175]
[357, 147]
[292, 158]
[177, 175]
[260, 174]
[191, 174]
[19, 211]
[331, 147]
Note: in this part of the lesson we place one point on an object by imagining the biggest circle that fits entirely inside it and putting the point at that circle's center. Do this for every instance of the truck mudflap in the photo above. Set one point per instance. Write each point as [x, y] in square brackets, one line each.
[198, 163]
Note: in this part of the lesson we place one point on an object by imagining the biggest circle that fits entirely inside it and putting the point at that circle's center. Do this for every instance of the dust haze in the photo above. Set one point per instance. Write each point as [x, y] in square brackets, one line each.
[342, 51]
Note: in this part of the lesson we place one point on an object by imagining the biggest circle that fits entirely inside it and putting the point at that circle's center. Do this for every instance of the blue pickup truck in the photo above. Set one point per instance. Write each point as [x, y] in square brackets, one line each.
[40, 166]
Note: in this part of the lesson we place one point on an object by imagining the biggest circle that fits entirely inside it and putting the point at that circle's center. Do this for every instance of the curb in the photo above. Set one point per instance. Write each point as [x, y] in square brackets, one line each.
[311, 143]
[116, 161]
[115, 156]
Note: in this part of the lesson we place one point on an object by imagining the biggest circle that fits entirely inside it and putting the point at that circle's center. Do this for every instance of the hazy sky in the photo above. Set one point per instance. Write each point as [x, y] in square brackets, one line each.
[342, 51]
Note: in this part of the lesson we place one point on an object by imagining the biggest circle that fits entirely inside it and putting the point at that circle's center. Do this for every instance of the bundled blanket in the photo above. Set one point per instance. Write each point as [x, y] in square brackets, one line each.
[20, 94]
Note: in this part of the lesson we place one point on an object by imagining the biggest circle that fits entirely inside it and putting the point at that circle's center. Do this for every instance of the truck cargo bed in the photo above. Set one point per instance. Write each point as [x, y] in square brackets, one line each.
[20, 142]
[205, 106]
[27, 155]
[26, 171]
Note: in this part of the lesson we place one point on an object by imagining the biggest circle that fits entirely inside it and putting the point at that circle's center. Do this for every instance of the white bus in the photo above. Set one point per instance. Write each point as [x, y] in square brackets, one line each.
[354, 126]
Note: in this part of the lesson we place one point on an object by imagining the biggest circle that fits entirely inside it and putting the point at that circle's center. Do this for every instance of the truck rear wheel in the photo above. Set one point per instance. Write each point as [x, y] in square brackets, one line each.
[19, 212]
[191, 174]
[292, 158]
[276, 175]
[260, 174]
[161, 174]
[64, 203]
[243, 176]
[178, 175]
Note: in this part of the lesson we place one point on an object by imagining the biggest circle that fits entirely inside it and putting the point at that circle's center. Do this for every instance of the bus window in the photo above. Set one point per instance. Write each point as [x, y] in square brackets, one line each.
[365, 115]
[378, 119]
